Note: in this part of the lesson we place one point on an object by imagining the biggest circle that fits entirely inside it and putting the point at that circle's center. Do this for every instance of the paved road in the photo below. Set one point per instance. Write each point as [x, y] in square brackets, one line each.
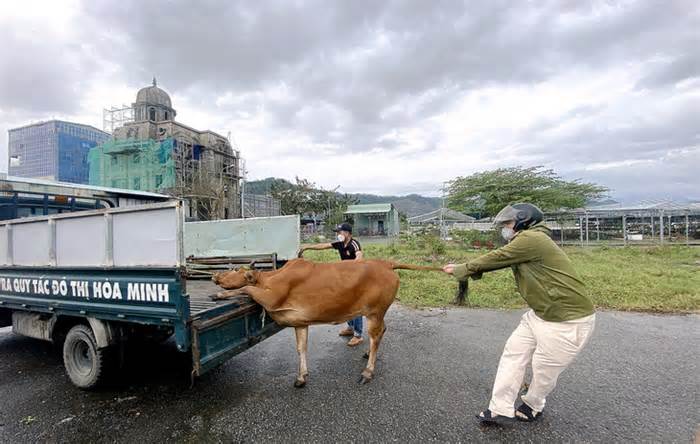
[636, 381]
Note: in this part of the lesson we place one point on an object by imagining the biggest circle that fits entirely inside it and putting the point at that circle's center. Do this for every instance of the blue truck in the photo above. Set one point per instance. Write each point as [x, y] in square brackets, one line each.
[95, 281]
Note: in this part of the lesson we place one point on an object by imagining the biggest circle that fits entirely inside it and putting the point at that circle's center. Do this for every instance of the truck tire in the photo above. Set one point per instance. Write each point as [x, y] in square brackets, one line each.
[85, 364]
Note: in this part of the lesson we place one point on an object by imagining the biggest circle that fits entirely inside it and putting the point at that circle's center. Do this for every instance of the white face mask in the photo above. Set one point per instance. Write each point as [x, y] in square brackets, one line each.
[507, 233]
[341, 238]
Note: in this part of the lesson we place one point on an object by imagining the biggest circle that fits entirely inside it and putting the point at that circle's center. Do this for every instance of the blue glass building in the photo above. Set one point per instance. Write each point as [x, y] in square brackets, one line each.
[53, 150]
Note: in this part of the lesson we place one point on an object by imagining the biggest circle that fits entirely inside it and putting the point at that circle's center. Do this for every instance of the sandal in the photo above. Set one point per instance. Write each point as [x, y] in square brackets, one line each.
[525, 413]
[355, 341]
[486, 417]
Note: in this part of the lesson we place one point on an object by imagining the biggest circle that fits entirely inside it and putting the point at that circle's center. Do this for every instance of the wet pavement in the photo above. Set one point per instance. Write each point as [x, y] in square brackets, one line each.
[636, 381]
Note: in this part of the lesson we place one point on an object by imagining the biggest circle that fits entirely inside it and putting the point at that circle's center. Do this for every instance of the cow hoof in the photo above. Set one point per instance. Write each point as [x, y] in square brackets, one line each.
[299, 383]
[366, 377]
[366, 355]
[214, 297]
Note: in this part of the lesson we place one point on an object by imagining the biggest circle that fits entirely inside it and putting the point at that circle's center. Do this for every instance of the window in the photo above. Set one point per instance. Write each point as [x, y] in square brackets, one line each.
[152, 114]
[167, 115]
[137, 158]
[159, 181]
[137, 183]
[114, 160]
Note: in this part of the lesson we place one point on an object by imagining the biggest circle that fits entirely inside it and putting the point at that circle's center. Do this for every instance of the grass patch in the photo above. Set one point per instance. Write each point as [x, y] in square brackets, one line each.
[660, 279]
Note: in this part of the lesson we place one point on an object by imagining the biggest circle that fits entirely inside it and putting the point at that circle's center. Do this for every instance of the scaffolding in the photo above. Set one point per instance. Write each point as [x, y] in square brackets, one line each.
[206, 176]
[116, 116]
[146, 165]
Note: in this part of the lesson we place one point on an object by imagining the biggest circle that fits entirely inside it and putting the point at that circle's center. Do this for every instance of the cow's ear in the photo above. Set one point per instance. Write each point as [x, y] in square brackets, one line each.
[251, 277]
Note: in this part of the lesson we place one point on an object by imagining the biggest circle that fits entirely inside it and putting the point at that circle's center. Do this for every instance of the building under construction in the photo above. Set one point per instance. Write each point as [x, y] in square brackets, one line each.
[150, 151]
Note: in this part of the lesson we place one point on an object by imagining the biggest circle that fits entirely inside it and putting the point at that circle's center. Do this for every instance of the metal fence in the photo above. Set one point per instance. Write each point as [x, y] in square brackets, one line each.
[627, 227]
[257, 205]
[657, 224]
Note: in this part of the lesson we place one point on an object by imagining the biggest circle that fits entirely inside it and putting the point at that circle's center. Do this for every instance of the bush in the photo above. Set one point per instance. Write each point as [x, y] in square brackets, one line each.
[431, 244]
[393, 249]
[476, 238]
[316, 239]
[409, 240]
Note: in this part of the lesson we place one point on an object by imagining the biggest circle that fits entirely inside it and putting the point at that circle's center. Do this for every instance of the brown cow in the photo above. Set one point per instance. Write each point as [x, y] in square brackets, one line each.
[304, 293]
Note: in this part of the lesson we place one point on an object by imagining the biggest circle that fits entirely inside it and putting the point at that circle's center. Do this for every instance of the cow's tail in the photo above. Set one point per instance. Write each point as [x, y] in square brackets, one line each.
[397, 266]
[463, 287]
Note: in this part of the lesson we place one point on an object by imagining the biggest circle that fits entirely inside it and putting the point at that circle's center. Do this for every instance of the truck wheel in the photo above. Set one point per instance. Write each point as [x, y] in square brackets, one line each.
[84, 362]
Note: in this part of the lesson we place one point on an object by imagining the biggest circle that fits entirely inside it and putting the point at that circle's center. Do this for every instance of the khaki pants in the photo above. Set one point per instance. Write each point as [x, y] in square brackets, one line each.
[551, 346]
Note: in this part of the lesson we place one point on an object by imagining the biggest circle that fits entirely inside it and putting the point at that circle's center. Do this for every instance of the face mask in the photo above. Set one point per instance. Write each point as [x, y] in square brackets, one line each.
[341, 238]
[507, 233]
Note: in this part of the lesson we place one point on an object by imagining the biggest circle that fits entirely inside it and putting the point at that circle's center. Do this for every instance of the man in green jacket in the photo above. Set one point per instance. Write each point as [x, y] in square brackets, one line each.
[556, 328]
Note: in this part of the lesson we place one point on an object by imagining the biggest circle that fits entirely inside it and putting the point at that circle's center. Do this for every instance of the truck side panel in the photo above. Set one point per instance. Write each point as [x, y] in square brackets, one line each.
[148, 236]
[216, 338]
[243, 237]
[118, 264]
[144, 296]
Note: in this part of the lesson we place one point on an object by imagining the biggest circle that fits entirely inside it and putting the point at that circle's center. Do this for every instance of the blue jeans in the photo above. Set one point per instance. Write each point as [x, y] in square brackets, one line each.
[356, 325]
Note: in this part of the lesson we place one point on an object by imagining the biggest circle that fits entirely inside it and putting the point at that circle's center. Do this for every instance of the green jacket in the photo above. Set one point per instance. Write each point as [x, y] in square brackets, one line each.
[544, 274]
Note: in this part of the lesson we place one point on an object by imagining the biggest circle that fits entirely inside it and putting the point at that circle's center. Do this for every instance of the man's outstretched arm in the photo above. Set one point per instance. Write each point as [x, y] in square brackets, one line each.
[324, 246]
[519, 250]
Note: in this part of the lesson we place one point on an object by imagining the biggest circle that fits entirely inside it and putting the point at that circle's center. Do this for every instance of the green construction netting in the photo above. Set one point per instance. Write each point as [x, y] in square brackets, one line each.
[145, 165]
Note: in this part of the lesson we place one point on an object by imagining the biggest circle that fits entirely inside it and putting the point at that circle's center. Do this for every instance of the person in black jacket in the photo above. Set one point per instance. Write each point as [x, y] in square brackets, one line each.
[349, 250]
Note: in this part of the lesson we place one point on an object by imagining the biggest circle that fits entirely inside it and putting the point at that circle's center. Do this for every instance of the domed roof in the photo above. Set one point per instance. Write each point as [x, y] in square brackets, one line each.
[153, 95]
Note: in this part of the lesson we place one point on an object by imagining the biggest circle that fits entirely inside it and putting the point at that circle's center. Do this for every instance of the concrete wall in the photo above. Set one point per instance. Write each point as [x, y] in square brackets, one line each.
[369, 224]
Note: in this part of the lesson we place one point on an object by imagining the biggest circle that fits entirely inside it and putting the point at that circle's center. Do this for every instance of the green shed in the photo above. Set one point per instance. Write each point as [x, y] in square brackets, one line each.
[381, 219]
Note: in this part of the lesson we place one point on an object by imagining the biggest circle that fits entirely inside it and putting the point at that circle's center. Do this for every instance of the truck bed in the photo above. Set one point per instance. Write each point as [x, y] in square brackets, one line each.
[221, 329]
[200, 292]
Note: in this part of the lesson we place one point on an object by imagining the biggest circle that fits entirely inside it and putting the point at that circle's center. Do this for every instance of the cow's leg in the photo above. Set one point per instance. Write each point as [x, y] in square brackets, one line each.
[226, 294]
[375, 328]
[302, 334]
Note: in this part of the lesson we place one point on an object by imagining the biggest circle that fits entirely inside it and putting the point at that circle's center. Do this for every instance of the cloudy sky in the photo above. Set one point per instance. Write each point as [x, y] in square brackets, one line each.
[384, 97]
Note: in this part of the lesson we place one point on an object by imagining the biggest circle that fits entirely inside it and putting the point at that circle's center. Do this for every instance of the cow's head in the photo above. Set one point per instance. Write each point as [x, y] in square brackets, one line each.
[234, 279]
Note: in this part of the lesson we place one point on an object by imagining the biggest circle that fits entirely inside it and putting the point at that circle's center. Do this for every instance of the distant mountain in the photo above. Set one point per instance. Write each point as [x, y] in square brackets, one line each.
[410, 205]
[263, 186]
[598, 203]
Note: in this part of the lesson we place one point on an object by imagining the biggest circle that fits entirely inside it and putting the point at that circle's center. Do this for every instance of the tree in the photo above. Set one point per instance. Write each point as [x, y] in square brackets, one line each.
[299, 198]
[208, 192]
[304, 197]
[487, 192]
[336, 205]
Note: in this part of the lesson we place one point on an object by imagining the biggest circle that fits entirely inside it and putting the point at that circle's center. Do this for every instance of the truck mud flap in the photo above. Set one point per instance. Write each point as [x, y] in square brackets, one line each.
[218, 338]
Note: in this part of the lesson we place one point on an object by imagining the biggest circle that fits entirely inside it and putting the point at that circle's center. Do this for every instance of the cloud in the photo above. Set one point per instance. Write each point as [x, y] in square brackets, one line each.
[38, 73]
[671, 175]
[674, 71]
